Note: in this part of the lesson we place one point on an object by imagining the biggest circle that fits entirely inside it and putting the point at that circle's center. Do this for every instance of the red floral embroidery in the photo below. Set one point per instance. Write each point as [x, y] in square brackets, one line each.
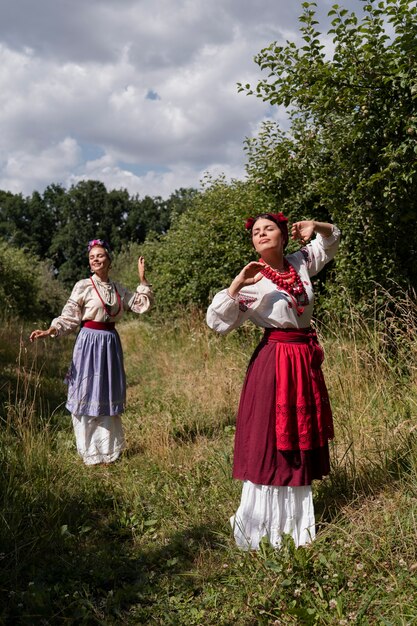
[245, 302]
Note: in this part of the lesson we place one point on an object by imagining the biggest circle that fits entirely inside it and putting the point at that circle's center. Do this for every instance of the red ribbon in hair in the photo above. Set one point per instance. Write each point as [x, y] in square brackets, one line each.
[276, 217]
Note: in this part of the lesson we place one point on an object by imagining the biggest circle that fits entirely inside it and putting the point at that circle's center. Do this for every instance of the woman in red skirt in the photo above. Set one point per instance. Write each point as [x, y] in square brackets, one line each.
[284, 420]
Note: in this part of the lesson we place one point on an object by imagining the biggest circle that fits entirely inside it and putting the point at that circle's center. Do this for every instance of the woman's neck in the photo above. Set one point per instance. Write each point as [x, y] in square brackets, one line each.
[274, 259]
[103, 276]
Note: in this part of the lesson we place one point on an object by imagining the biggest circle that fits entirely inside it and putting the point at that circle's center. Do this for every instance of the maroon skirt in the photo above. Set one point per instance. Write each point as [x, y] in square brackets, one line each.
[284, 420]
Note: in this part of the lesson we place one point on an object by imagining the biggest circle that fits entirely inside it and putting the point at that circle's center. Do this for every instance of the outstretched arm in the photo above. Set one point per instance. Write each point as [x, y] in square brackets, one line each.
[38, 334]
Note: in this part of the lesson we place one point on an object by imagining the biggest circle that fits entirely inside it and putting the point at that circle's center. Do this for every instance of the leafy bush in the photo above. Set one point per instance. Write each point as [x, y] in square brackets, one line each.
[27, 287]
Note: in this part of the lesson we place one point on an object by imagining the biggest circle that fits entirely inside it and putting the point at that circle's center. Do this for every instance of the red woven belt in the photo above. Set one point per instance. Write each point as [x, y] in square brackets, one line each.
[289, 335]
[297, 335]
[98, 325]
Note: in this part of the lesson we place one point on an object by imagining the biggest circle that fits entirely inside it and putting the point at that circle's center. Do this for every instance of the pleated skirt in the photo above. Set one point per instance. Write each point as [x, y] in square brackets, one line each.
[268, 511]
[97, 395]
[284, 419]
[96, 377]
[283, 426]
[99, 439]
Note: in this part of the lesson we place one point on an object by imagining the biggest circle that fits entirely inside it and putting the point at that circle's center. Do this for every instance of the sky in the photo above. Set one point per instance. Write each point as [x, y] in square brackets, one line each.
[139, 94]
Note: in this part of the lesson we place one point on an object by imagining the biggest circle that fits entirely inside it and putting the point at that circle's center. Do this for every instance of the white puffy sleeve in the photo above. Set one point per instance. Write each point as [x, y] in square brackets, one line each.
[226, 313]
[71, 315]
[138, 301]
[320, 251]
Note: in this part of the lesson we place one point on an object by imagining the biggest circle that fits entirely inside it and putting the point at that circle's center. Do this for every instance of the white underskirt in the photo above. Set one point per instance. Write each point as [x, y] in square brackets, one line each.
[271, 511]
[99, 439]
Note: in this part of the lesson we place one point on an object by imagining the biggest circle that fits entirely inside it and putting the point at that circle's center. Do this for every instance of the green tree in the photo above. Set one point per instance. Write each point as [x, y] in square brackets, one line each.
[88, 211]
[28, 289]
[154, 214]
[28, 222]
[350, 152]
[14, 223]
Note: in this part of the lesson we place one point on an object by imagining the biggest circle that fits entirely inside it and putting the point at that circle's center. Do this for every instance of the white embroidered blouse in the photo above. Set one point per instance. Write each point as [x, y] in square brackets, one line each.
[264, 303]
[85, 304]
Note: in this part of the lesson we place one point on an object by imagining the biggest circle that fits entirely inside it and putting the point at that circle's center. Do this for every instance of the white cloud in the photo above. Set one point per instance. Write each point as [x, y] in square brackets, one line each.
[24, 171]
[76, 74]
[153, 183]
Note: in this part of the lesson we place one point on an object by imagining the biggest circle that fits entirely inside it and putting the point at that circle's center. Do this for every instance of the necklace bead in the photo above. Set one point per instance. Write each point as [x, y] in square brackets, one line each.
[288, 280]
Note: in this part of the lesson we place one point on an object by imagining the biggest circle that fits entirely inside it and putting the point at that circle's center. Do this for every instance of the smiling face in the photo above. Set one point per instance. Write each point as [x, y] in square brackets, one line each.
[99, 260]
[267, 236]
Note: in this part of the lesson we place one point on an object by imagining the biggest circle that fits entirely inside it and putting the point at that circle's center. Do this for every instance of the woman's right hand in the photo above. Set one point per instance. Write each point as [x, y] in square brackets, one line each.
[38, 334]
[249, 275]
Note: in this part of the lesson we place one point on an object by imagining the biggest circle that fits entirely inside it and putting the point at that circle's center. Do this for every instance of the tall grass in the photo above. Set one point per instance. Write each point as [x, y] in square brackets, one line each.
[147, 540]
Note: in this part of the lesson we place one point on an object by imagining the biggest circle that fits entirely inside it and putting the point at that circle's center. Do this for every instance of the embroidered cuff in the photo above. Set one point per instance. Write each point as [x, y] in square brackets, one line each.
[234, 298]
[143, 288]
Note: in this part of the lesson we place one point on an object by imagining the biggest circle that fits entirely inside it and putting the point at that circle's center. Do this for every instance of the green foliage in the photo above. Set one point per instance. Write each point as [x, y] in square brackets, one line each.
[154, 215]
[350, 153]
[28, 288]
[205, 247]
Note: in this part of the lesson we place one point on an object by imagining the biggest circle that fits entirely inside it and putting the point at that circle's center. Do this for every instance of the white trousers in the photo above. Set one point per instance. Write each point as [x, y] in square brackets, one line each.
[271, 511]
[99, 439]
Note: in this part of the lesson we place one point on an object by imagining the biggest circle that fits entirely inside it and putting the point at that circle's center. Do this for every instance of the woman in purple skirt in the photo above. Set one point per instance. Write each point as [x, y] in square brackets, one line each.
[284, 419]
[96, 378]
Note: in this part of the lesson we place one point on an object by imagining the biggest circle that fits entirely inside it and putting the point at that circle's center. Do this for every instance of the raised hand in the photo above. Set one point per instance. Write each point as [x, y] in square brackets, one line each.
[249, 275]
[303, 231]
[141, 270]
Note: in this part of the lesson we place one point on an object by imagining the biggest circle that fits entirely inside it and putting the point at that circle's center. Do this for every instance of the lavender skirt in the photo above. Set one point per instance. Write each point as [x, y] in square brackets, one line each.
[96, 377]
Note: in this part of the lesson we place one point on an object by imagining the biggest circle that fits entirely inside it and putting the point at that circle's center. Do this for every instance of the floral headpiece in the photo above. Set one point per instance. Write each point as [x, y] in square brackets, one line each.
[101, 243]
[279, 218]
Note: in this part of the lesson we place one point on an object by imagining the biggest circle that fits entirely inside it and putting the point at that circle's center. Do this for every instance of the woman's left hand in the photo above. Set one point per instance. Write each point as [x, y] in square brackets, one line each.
[303, 231]
[141, 270]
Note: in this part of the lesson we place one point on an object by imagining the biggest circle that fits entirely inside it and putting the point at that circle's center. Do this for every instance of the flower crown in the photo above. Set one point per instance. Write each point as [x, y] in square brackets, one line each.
[101, 243]
[276, 217]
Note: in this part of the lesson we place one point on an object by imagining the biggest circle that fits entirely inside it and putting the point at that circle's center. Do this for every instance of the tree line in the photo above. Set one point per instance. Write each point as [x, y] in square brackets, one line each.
[57, 223]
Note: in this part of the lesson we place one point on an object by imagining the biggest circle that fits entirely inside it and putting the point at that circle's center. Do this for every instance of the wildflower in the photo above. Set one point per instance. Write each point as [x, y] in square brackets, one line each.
[350, 584]
[359, 566]
[332, 603]
[297, 592]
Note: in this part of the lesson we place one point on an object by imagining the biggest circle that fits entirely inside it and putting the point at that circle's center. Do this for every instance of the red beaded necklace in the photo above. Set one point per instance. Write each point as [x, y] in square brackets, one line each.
[288, 280]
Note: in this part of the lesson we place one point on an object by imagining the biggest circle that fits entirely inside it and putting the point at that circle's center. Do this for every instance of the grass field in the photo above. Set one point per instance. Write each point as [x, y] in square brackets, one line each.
[147, 540]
